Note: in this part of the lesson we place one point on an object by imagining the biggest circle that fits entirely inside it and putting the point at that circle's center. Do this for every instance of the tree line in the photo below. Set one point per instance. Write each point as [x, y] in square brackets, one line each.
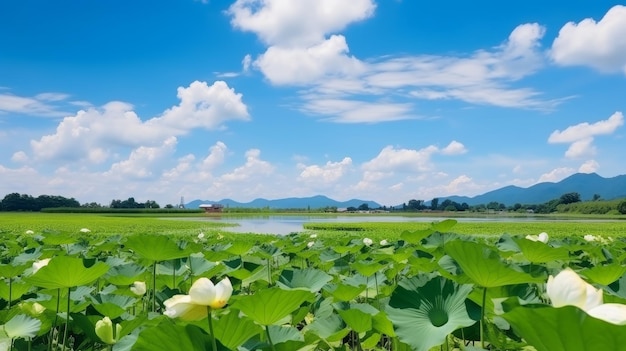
[28, 203]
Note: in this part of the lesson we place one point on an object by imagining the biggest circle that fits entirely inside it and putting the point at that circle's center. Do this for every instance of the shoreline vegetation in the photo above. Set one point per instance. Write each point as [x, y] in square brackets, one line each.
[557, 225]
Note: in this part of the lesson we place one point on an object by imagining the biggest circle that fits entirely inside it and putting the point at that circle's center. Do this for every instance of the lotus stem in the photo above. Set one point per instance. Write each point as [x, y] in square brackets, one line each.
[10, 294]
[67, 319]
[210, 315]
[482, 319]
[269, 338]
[56, 318]
[154, 286]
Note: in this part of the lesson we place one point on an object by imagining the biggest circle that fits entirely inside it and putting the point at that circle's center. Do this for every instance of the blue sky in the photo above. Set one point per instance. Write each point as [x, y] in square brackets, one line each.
[378, 100]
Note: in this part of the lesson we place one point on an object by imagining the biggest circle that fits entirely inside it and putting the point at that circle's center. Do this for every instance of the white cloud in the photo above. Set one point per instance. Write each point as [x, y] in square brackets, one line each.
[556, 174]
[116, 125]
[253, 167]
[19, 157]
[325, 174]
[305, 49]
[581, 136]
[304, 65]
[297, 23]
[39, 105]
[601, 45]
[590, 166]
[143, 161]
[353, 111]
[215, 157]
[454, 148]
[246, 62]
[391, 159]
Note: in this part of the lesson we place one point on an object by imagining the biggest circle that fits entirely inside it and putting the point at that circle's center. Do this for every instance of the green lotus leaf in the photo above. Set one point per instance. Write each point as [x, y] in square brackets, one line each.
[310, 278]
[566, 328]
[199, 265]
[425, 310]
[344, 292]
[58, 238]
[233, 330]
[367, 268]
[269, 306]
[167, 337]
[483, 265]
[67, 272]
[415, 237]
[112, 305]
[240, 248]
[22, 326]
[155, 247]
[330, 329]
[125, 274]
[605, 274]
[17, 289]
[444, 226]
[538, 252]
[282, 334]
[357, 320]
[13, 270]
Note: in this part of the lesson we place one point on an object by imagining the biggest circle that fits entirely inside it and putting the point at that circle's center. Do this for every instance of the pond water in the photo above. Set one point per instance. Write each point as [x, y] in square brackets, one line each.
[283, 225]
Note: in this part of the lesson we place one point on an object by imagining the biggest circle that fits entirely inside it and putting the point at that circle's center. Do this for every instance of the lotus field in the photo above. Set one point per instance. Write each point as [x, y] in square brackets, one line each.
[427, 289]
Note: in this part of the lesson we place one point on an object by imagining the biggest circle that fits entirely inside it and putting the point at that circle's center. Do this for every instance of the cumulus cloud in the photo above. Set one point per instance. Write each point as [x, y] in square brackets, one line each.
[581, 136]
[589, 166]
[600, 45]
[391, 159]
[93, 133]
[305, 49]
[556, 174]
[324, 174]
[297, 23]
[454, 148]
[253, 167]
[142, 161]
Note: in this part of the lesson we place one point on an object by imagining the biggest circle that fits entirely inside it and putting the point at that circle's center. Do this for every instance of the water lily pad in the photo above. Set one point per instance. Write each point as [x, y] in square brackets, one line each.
[233, 330]
[269, 306]
[155, 247]
[425, 310]
[566, 328]
[310, 278]
[484, 266]
[67, 272]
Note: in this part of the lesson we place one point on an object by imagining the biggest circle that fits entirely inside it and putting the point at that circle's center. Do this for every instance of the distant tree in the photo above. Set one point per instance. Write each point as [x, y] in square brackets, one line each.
[596, 197]
[622, 207]
[169, 206]
[363, 207]
[351, 209]
[569, 198]
[434, 204]
[415, 205]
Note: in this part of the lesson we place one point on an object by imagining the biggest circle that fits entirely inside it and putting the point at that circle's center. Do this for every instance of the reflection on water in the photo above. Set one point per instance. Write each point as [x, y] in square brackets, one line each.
[282, 225]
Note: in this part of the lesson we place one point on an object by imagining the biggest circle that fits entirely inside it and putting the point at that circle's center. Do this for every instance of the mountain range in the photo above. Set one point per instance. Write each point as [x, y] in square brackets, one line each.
[586, 184]
[318, 201]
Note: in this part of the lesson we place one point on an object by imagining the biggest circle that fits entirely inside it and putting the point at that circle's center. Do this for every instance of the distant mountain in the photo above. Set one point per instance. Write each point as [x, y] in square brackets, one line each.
[313, 202]
[586, 184]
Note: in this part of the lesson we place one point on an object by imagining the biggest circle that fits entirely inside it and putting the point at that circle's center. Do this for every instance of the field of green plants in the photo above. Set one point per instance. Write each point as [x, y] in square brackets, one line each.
[89, 282]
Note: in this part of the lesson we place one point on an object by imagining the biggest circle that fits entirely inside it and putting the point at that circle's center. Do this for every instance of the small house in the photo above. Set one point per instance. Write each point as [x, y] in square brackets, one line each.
[211, 208]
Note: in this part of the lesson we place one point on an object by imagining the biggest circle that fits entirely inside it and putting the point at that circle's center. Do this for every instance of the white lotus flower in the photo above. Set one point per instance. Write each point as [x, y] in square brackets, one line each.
[384, 242]
[542, 237]
[85, 230]
[202, 295]
[313, 236]
[106, 333]
[569, 289]
[367, 241]
[201, 236]
[138, 288]
[310, 244]
[29, 232]
[37, 265]
[614, 313]
[590, 238]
